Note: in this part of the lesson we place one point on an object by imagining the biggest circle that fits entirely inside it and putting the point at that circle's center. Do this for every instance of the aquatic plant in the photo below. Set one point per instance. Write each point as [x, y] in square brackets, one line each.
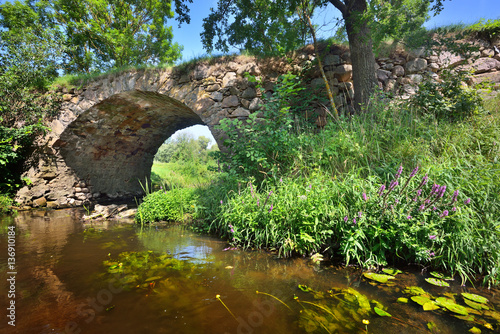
[141, 269]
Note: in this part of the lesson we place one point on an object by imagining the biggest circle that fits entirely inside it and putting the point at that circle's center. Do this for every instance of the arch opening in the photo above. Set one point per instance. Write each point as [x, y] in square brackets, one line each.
[112, 145]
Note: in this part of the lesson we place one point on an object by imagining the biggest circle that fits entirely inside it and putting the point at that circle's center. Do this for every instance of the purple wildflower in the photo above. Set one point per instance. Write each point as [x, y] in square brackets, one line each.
[221, 202]
[424, 181]
[435, 188]
[467, 201]
[434, 208]
[258, 202]
[360, 214]
[354, 221]
[271, 208]
[364, 197]
[393, 185]
[400, 170]
[414, 172]
[281, 180]
[431, 254]
[441, 191]
[346, 219]
[251, 189]
[444, 214]
[454, 196]
[409, 217]
[419, 192]
[421, 208]
[381, 190]
[454, 209]
[232, 231]
[432, 237]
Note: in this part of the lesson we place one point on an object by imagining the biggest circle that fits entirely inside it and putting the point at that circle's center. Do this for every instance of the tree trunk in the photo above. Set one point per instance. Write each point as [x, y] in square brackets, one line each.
[360, 44]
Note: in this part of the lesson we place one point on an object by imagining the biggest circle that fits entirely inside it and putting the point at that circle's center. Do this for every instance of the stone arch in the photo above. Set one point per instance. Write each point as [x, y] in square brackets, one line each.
[111, 145]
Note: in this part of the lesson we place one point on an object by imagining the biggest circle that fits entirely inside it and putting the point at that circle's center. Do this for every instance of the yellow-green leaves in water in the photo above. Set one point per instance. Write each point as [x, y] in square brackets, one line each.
[392, 271]
[436, 282]
[381, 278]
[475, 298]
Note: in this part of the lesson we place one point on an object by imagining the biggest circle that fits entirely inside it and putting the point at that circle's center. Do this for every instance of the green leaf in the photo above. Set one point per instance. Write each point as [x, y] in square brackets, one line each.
[381, 278]
[430, 306]
[474, 305]
[420, 300]
[450, 305]
[441, 276]
[474, 297]
[402, 300]
[436, 282]
[475, 330]
[381, 312]
[391, 271]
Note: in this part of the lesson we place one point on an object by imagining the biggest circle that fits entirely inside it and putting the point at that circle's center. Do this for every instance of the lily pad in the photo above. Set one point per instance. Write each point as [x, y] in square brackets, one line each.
[420, 300]
[436, 282]
[450, 305]
[391, 271]
[430, 306]
[381, 312]
[474, 305]
[402, 300]
[416, 291]
[441, 276]
[475, 298]
[381, 278]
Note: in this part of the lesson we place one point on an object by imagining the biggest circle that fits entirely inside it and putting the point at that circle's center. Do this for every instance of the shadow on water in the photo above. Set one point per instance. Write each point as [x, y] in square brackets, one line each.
[72, 278]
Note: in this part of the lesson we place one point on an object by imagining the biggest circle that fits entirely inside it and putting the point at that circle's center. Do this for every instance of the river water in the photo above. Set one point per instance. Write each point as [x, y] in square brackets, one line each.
[62, 285]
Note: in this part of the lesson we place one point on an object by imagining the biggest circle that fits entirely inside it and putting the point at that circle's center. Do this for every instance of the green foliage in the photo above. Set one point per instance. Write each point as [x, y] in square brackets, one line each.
[101, 34]
[173, 205]
[448, 99]
[260, 26]
[28, 62]
[5, 203]
[355, 156]
[184, 162]
[489, 29]
[105, 34]
[399, 20]
[261, 146]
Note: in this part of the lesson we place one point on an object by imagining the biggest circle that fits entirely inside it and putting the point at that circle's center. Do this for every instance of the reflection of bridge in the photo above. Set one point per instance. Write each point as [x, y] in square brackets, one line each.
[105, 138]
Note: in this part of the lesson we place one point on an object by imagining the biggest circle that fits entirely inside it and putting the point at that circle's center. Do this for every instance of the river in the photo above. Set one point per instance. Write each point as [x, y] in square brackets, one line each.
[67, 278]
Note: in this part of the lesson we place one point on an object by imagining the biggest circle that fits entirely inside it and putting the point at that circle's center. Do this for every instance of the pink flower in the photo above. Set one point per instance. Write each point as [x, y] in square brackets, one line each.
[432, 237]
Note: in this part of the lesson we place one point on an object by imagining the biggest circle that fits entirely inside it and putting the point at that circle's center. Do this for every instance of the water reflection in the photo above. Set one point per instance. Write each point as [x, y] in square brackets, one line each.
[63, 287]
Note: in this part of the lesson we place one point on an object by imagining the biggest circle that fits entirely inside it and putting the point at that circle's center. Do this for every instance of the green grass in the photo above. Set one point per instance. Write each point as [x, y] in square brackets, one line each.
[180, 174]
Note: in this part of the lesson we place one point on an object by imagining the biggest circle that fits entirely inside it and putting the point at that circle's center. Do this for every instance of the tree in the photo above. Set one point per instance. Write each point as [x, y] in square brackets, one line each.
[114, 33]
[254, 28]
[28, 62]
[102, 34]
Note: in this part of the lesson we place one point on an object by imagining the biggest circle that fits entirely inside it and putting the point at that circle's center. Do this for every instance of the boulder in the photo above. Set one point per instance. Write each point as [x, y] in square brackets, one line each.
[343, 72]
[416, 65]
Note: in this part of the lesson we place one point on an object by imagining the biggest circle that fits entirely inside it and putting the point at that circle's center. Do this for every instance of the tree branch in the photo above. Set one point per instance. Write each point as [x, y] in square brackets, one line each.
[339, 5]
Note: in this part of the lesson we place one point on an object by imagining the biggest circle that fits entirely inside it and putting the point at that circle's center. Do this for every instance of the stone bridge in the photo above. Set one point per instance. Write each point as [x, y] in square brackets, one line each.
[106, 135]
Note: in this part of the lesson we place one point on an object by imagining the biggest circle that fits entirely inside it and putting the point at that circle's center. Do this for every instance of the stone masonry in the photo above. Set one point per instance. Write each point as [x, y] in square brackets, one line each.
[108, 131]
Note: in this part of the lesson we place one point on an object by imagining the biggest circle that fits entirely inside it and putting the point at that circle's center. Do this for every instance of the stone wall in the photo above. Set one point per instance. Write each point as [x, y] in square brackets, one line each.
[108, 131]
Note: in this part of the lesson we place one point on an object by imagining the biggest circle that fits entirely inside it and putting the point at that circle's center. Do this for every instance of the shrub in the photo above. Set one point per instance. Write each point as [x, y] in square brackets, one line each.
[448, 99]
[5, 203]
[172, 205]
